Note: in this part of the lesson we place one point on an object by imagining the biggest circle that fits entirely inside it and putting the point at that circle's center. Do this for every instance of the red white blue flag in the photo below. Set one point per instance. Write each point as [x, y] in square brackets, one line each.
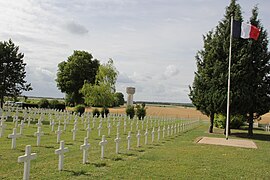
[245, 30]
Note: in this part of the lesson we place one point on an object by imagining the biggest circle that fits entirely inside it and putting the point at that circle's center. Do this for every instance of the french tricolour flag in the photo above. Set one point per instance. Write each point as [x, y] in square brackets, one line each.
[245, 31]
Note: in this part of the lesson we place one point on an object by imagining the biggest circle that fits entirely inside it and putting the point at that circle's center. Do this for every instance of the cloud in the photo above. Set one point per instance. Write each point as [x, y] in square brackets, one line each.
[75, 28]
[171, 70]
[123, 78]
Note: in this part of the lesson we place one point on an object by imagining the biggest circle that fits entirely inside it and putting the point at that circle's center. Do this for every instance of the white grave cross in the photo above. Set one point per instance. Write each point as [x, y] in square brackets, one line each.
[2, 128]
[58, 132]
[13, 136]
[102, 144]
[128, 140]
[38, 134]
[117, 141]
[153, 134]
[85, 148]
[146, 136]
[138, 138]
[26, 158]
[61, 152]
[21, 126]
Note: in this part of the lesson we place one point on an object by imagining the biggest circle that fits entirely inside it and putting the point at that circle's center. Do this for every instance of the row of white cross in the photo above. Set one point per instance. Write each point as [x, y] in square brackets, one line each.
[173, 129]
[170, 127]
[84, 147]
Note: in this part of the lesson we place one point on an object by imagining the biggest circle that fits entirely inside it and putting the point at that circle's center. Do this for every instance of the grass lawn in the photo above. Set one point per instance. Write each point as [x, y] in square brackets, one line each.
[175, 157]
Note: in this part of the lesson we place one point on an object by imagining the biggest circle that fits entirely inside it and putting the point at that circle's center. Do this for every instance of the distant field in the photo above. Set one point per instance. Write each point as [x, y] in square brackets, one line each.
[168, 111]
[177, 111]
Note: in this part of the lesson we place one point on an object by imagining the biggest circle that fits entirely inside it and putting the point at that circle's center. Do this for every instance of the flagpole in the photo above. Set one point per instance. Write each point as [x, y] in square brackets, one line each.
[229, 82]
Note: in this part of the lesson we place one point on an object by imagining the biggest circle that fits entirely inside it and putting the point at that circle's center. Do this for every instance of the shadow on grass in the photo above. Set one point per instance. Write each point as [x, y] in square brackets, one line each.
[100, 164]
[117, 159]
[261, 137]
[78, 173]
[130, 154]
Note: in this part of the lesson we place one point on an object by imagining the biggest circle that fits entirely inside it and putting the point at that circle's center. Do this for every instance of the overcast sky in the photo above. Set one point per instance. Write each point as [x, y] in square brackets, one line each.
[152, 42]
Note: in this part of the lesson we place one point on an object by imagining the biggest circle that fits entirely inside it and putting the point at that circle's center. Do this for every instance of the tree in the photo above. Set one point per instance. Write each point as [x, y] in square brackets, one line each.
[98, 95]
[72, 74]
[253, 77]
[119, 99]
[141, 111]
[107, 74]
[12, 70]
[102, 92]
[209, 90]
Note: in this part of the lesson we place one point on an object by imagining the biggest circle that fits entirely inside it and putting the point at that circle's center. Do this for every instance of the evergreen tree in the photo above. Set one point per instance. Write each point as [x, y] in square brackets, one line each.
[253, 76]
[209, 90]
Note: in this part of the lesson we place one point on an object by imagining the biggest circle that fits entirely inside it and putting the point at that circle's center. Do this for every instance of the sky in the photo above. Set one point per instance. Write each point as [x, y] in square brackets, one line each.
[153, 42]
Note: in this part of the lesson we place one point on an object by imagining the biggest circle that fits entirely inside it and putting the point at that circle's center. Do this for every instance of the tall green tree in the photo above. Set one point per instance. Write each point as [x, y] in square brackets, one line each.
[209, 90]
[72, 74]
[102, 92]
[12, 70]
[253, 76]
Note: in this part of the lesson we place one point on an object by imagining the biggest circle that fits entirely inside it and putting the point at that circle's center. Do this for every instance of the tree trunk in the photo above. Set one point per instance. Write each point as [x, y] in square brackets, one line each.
[2, 101]
[250, 124]
[212, 116]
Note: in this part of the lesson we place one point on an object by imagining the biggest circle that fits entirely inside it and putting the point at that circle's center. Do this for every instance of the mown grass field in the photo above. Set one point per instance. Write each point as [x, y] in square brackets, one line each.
[175, 157]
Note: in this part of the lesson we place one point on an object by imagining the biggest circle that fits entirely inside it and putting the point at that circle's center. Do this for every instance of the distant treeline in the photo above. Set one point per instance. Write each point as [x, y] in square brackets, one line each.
[166, 103]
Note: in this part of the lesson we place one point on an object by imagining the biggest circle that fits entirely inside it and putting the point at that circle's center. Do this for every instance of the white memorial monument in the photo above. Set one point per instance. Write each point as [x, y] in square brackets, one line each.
[130, 92]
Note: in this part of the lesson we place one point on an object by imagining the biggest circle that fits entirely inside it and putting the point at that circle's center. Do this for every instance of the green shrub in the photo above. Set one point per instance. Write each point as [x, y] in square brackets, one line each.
[141, 111]
[95, 112]
[236, 121]
[53, 103]
[43, 103]
[104, 112]
[130, 111]
[79, 109]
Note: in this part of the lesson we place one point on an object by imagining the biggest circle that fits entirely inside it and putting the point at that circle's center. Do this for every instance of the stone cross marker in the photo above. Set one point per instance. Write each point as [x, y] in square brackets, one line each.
[13, 136]
[2, 128]
[39, 124]
[117, 127]
[85, 148]
[109, 129]
[15, 119]
[99, 129]
[38, 134]
[28, 120]
[158, 136]
[117, 141]
[58, 132]
[52, 124]
[153, 134]
[146, 136]
[138, 138]
[65, 124]
[26, 158]
[125, 126]
[61, 152]
[21, 127]
[128, 140]
[88, 131]
[168, 130]
[74, 130]
[102, 144]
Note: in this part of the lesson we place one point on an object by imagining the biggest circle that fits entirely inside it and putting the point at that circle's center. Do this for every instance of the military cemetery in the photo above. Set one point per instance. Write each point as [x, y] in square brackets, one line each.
[184, 94]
